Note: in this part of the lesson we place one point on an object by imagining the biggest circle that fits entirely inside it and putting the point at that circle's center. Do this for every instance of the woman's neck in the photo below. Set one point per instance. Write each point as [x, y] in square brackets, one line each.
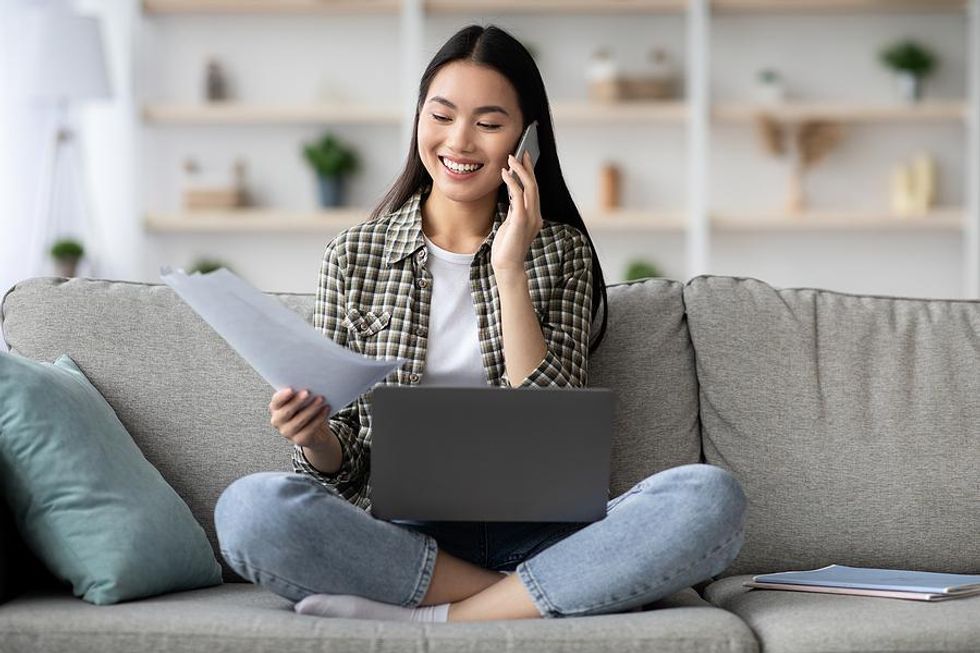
[457, 226]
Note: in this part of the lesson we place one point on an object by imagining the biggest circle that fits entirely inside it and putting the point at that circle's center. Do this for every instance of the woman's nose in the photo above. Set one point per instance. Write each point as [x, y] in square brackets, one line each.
[460, 138]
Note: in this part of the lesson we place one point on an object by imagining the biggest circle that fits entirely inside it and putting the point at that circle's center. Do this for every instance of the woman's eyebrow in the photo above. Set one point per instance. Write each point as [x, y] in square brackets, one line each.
[478, 110]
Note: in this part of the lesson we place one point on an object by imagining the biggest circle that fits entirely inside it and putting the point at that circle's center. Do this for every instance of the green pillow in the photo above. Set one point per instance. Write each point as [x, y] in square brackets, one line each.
[85, 499]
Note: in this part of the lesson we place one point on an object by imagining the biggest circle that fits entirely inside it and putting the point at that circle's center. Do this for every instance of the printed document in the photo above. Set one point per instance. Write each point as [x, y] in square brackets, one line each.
[277, 342]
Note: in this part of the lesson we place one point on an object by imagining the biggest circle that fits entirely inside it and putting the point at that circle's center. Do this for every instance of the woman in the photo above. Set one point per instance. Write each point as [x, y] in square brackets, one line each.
[505, 296]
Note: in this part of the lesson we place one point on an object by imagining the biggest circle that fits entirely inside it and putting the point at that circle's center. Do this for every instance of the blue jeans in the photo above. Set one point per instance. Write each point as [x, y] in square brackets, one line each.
[671, 530]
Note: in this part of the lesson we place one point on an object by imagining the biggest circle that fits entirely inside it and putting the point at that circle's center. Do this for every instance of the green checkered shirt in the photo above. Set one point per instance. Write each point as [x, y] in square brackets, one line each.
[373, 297]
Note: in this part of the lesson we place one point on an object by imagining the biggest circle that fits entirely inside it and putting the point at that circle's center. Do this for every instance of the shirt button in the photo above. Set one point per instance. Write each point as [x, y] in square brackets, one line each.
[420, 331]
[414, 378]
[423, 283]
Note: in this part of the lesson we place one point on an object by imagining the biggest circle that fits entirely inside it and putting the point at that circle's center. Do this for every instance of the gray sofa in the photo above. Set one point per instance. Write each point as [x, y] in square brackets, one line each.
[853, 423]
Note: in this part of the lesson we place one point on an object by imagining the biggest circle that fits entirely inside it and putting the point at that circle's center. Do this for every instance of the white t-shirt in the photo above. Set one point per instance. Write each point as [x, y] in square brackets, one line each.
[453, 355]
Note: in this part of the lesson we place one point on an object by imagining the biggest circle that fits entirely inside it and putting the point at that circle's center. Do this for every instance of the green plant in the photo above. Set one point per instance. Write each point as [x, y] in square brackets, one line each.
[908, 56]
[205, 265]
[67, 248]
[330, 158]
[641, 270]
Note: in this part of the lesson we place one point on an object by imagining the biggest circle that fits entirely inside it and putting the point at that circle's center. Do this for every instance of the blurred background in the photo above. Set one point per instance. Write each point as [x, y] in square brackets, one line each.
[817, 143]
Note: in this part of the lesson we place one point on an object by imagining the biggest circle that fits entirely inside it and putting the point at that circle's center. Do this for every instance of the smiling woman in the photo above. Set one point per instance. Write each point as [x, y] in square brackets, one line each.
[475, 279]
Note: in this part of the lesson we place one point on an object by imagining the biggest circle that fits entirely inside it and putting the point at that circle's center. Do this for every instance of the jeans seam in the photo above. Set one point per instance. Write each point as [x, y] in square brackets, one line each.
[425, 574]
[541, 602]
[229, 556]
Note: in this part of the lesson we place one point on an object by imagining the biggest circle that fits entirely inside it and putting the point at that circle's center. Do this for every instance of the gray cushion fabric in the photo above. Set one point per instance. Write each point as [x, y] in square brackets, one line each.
[647, 357]
[798, 622]
[242, 618]
[199, 413]
[851, 421]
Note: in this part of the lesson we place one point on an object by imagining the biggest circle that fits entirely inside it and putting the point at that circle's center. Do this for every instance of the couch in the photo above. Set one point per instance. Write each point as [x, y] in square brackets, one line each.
[852, 422]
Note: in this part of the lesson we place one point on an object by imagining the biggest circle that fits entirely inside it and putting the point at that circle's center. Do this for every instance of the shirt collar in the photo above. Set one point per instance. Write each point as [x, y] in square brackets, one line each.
[405, 237]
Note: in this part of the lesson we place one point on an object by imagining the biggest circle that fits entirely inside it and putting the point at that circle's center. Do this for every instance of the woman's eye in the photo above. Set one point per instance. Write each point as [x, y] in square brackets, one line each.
[483, 124]
[439, 118]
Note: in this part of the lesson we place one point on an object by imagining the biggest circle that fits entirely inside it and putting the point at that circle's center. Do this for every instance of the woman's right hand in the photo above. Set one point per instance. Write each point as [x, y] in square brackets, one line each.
[305, 425]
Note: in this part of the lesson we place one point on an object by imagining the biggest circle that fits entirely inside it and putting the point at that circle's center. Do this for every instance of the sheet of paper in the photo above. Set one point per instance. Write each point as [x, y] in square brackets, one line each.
[278, 343]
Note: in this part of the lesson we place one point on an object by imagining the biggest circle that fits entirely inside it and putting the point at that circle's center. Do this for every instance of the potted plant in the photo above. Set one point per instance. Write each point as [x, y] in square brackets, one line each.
[913, 63]
[641, 270]
[205, 265]
[332, 161]
[66, 253]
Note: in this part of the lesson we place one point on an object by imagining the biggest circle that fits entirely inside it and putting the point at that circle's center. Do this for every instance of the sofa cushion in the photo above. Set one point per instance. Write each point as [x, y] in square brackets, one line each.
[794, 622]
[243, 618]
[647, 358]
[850, 420]
[84, 497]
[200, 413]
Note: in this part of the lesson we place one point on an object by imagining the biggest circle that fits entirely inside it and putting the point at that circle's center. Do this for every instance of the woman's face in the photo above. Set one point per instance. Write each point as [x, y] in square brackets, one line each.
[470, 118]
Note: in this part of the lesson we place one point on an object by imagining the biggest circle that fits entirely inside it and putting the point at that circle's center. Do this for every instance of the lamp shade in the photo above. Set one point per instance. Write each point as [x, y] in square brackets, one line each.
[69, 62]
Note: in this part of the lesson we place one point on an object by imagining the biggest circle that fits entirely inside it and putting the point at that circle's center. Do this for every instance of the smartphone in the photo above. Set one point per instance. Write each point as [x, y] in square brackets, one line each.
[528, 143]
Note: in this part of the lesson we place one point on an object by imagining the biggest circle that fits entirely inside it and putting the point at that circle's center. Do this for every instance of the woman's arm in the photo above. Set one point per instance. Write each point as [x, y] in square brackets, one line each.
[554, 353]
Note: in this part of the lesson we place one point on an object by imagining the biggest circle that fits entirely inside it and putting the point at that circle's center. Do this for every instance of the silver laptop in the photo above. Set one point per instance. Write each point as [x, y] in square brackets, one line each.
[490, 454]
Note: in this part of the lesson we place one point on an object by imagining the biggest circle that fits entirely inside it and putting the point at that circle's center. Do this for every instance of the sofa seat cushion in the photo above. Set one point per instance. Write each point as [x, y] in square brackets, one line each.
[242, 617]
[850, 420]
[794, 622]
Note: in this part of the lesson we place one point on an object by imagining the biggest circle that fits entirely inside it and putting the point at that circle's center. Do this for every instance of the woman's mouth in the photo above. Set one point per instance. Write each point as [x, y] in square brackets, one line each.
[458, 170]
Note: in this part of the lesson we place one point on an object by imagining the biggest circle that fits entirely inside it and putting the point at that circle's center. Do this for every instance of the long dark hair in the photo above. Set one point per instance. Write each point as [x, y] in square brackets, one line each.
[493, 47]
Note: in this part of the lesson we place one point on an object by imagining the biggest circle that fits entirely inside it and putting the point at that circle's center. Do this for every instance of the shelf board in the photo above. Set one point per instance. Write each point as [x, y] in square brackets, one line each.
[938, 110]
[556, 6]
[593, 112]
[237, 113]
[254, 220]
[941, 219]
[632, 220]
[798, 6]
[271, 6]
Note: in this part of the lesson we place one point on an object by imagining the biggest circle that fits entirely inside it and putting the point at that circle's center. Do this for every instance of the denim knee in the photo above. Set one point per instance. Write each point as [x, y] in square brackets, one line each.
[240, 502]
[714, 490]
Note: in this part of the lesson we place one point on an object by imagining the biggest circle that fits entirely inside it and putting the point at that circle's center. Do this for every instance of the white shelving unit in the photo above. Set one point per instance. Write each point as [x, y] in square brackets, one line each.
[696, 115]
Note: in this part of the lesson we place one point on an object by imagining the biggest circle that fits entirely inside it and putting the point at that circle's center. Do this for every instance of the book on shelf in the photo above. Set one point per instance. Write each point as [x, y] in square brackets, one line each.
[866, 581]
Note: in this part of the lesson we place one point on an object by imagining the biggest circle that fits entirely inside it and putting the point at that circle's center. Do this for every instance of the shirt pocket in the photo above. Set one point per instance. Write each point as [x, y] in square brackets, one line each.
[364, 326]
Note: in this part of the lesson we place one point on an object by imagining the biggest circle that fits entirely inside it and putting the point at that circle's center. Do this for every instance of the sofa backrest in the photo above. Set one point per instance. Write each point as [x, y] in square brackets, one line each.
[199, 413]
[853, 423]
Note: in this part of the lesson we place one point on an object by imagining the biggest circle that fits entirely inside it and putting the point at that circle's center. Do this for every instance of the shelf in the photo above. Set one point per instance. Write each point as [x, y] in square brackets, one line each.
[271, 6]
[939, 110]
[254, 220]
[798, 6]
[632, 221]
[942, 219]
[556, 6]
[236, 113]
[587, 112]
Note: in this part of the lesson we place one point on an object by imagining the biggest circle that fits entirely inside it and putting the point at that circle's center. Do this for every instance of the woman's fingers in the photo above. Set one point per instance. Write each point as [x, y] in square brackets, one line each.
[302, 418]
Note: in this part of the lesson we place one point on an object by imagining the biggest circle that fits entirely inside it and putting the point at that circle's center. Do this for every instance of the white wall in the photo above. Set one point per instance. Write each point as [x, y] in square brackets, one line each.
[279, 59]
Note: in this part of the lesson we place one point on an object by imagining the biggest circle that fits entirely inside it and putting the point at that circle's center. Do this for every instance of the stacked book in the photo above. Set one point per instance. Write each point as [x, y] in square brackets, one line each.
[863, 581]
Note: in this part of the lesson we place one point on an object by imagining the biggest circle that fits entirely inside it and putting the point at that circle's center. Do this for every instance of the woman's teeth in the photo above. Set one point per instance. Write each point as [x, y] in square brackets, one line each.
[461, 168]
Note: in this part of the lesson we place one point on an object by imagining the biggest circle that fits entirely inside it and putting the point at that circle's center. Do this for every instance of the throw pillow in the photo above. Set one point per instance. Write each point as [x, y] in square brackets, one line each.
[85, 499]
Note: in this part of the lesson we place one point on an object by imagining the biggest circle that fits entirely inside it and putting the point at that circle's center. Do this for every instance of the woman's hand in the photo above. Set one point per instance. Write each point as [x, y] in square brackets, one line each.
[301, 422]
[523, 221]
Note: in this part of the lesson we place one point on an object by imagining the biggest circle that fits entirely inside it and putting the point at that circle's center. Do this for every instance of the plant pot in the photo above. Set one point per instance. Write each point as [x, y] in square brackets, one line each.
[910, 86]
[331, 191]
[66, 267]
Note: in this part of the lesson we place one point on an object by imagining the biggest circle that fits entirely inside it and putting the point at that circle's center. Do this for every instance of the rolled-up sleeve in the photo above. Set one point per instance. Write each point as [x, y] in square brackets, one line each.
[566, 326]
[328, 310]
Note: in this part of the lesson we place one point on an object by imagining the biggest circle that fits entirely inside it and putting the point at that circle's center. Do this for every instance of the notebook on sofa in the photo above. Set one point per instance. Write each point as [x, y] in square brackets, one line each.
[865, 581]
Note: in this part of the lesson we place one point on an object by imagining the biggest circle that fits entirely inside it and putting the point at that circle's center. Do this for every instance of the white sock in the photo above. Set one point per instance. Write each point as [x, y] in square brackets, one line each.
[358, 607]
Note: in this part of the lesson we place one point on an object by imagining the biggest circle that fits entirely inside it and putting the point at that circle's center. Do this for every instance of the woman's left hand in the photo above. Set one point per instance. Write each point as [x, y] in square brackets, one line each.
[523, 222]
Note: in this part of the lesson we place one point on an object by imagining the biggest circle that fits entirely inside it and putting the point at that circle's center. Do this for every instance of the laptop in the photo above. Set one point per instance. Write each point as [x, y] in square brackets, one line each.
[441, 453]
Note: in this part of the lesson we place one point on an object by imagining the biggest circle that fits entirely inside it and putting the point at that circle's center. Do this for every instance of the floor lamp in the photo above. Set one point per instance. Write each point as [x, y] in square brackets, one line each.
[70, 69]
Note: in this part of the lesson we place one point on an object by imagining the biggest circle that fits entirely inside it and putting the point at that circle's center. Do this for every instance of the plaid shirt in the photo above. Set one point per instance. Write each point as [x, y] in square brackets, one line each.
[373, 297]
